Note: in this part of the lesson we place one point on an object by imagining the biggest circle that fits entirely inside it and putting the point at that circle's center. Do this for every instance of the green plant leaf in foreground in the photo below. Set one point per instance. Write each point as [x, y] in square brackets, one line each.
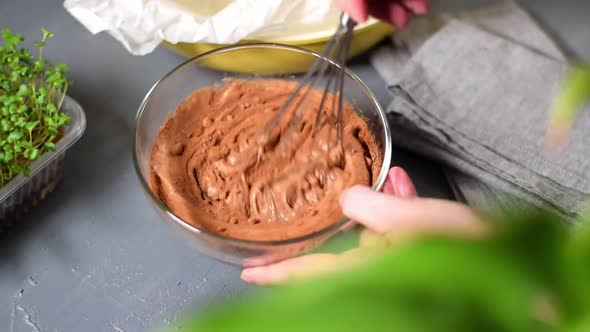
[516, 280]
[574, 92]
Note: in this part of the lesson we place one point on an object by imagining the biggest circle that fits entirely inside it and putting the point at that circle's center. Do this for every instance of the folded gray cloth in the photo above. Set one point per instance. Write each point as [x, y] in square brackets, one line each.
[475, 95]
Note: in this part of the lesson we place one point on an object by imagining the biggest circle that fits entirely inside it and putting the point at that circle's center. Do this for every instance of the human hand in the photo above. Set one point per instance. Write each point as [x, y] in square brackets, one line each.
[397, 12]
[394, 215]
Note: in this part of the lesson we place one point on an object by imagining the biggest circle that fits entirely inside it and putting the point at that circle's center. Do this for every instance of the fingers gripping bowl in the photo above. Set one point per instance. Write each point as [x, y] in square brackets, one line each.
[161, 115]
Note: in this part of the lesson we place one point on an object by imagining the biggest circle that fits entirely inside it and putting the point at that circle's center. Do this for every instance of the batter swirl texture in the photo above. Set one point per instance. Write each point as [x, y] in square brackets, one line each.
[209, 168]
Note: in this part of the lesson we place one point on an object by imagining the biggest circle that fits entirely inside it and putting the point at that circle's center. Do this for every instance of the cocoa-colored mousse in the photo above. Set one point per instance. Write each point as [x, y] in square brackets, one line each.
[223, 164]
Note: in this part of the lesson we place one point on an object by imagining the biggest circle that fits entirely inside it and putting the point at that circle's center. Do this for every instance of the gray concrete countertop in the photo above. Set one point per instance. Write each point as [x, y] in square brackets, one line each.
[94, 256]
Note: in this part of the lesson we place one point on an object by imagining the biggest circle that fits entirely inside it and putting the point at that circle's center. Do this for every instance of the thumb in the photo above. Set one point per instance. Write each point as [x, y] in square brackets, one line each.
[386, 213]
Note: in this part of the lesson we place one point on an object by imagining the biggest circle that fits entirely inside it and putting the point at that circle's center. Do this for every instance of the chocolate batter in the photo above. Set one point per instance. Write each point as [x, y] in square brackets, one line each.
[218, 165]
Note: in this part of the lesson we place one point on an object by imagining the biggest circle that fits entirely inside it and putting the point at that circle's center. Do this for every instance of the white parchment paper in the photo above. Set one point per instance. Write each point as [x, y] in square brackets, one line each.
[140, 25]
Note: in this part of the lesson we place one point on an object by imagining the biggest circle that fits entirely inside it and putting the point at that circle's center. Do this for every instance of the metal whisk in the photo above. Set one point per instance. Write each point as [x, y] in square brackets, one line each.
[336, 51]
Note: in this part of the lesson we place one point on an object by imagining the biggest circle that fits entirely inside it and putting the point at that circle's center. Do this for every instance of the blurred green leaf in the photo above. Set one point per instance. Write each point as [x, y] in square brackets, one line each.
[435, 284]
[575, 91]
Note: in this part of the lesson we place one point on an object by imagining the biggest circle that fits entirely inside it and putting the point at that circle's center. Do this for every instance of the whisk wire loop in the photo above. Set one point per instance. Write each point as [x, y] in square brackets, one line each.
[328, 69]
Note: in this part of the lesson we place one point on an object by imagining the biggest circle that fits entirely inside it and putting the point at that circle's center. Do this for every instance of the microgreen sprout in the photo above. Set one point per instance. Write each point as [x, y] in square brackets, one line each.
[32, 91]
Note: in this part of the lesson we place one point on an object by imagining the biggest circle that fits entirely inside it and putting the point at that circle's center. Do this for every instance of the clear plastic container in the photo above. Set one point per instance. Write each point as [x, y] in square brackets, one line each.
[24, 192]
[167, 93]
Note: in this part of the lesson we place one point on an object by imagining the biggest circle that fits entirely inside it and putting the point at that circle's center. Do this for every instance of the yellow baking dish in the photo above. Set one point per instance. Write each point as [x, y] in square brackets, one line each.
[270, 62]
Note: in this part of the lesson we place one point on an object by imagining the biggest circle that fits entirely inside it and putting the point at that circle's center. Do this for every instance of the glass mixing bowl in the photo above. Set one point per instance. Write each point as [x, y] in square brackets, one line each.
[167, 93]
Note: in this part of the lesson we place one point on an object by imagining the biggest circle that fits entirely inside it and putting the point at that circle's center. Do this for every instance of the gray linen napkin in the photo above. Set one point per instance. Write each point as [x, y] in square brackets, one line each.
[475, 95]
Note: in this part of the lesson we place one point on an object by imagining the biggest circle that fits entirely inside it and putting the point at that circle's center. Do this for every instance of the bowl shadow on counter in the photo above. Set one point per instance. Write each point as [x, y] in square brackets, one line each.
[92, 166]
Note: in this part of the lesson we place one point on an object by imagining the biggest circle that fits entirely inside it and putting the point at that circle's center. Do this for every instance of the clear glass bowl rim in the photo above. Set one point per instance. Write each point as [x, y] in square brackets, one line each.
[192, 228]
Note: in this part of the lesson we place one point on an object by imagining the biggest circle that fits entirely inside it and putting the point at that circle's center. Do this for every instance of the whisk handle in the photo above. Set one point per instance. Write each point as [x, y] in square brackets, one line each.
[347, 22]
